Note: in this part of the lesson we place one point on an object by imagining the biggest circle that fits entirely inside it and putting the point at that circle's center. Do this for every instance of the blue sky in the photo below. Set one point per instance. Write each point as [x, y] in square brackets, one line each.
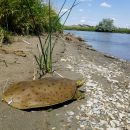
[92, 11]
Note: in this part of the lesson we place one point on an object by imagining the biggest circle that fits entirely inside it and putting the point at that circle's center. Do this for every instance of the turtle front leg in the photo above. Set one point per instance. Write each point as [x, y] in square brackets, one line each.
[79, 95]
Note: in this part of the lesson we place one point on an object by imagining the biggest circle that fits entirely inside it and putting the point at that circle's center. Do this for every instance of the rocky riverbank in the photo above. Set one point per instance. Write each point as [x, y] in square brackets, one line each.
[107, 87]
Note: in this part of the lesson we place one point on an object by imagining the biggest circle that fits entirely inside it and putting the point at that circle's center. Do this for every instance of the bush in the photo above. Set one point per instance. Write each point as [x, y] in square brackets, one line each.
[15, 17]
[106, 25]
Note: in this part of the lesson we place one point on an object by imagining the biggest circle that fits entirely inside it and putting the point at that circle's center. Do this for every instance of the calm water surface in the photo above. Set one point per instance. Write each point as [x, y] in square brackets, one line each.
[114, 44]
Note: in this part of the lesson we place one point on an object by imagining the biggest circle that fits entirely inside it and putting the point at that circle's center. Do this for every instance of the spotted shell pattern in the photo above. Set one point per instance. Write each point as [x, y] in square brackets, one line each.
[40, 93]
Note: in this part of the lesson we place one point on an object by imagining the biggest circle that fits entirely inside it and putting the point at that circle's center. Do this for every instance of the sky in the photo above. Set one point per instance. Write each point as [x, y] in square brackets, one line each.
[91, 12]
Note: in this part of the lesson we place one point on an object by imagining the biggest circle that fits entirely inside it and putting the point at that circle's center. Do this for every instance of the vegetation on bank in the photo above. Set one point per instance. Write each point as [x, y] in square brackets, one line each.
[15, 17]
[106, 25]
[122, 30]
[93, 29]
[24, 17]
[79, 28]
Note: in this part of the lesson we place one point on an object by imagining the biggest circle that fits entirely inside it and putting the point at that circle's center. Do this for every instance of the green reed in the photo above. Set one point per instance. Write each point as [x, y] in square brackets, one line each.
[45, 49]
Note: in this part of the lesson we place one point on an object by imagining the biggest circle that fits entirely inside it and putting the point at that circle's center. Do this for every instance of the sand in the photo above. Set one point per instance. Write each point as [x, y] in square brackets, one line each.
[107, 88]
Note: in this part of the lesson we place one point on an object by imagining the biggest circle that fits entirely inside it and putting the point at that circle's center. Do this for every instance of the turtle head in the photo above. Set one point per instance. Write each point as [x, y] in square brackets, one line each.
[79, 83]
[79, 95]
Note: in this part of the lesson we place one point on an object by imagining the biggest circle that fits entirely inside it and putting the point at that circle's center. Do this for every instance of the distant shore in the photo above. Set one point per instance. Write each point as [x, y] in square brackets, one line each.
[92, 28]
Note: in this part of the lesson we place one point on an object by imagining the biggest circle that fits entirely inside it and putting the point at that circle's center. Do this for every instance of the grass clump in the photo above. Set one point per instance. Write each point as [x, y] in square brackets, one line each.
[44, 59]
[5, 36]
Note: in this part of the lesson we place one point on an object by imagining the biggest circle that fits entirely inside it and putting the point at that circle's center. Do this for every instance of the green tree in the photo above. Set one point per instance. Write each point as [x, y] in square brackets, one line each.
[106, 25]
[15, 16]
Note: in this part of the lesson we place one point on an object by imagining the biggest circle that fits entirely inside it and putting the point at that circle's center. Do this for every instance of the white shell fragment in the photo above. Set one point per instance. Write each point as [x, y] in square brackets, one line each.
[104, 107]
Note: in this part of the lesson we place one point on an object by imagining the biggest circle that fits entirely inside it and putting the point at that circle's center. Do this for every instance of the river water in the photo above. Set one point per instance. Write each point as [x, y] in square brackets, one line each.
[114, 44]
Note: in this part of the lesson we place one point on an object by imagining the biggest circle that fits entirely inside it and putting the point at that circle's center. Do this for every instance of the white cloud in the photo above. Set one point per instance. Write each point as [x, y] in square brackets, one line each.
[114, 19]
[81, 10]
[106, 5]
[82, 21]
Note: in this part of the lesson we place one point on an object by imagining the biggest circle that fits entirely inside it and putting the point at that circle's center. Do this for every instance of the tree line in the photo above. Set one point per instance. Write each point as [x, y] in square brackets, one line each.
[15, 17]
[106, 25]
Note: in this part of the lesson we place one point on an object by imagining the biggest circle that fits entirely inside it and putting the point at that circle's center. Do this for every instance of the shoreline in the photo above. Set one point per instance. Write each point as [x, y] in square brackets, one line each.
[90, 47]
[92, 29]
[104, 51]
[107, 87]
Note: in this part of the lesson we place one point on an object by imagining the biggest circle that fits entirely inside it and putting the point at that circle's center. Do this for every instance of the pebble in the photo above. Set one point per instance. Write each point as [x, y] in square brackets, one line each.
[128, 121]
[118, 105]
[77, 117]
[65, 105]
[121, 115]
[116, 122]
[91, 84]
[102, 122]
[69, 67]
[70, 113]
[89, 104]
[113, 125]
[57, 114]
[63, 60]
[82, 126]
[69, 119]
[111, 116]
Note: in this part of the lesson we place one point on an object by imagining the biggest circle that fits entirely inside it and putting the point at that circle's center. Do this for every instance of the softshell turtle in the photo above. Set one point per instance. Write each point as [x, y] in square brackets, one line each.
[42, 93]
